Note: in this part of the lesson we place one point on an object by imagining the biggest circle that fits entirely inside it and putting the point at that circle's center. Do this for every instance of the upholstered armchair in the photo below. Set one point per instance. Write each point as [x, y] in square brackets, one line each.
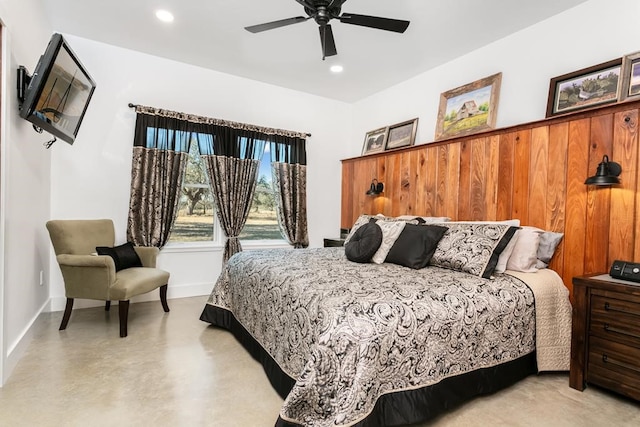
[126, 271]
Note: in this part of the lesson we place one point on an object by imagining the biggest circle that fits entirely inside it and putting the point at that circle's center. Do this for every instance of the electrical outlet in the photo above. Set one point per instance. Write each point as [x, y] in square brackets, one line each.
[41, 277]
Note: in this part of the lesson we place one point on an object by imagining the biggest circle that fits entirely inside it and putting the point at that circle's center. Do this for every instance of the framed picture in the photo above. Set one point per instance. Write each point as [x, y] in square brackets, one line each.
[630, 88]
[585, 88]
[402, 134]
[469, 109]
[374, 141]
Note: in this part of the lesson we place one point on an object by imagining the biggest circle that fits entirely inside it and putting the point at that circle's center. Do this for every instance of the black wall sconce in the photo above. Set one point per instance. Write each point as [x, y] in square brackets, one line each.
[606, 174]
[376, 188]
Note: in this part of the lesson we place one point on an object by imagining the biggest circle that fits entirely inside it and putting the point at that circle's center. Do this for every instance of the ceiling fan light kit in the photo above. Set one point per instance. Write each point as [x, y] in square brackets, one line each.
[323, 11]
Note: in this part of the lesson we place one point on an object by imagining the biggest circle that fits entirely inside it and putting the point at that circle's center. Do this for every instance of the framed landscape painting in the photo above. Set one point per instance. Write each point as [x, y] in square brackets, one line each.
[402, 134]
[630, 77]
[585, 88]
[374, 141]
[469, 109]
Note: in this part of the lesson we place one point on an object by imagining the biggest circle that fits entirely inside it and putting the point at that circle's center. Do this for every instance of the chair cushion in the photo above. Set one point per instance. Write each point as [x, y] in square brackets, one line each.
[137, 281]
[124, 256]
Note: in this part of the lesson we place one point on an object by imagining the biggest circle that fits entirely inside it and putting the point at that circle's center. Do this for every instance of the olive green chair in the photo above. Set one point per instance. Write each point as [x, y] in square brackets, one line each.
[90, 276]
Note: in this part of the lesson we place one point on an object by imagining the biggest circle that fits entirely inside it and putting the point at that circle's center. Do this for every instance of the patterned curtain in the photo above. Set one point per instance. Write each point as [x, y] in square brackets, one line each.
[232, 158]
[160, 152]
[232, 153]
[289, 168]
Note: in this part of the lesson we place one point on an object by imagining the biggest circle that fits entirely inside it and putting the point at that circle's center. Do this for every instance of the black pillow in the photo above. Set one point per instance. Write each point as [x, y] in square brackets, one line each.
[124, 256]
[364, 243]
[416, 245]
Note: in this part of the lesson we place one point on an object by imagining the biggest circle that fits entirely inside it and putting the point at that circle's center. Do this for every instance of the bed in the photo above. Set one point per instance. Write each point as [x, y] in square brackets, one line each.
[368, 344]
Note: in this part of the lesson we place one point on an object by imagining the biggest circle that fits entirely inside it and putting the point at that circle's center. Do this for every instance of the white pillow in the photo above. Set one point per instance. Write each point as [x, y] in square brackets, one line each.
[525, 252]
[390, 232]
[501, 266]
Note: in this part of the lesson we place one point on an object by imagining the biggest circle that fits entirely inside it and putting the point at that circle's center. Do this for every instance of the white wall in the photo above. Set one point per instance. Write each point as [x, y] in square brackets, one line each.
[25, 192]
[91, 178]
[589, 34]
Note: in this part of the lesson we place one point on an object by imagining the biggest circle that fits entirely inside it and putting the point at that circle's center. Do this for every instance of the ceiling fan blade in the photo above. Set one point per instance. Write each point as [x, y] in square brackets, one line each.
[275, 24]
[306, 4]
[388, 24]
[327, 40]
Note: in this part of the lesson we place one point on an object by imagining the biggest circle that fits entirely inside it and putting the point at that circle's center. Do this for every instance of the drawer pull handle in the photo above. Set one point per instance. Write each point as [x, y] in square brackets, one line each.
[608, 328]
[607, 307]
[606, 359]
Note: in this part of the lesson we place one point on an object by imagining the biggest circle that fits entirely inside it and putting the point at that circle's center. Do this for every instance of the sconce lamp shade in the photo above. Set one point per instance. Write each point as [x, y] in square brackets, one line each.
[376, 188]
[606, 174]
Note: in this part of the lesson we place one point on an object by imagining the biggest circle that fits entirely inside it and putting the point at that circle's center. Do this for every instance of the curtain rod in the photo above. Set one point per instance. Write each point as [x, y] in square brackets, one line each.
[269, 130]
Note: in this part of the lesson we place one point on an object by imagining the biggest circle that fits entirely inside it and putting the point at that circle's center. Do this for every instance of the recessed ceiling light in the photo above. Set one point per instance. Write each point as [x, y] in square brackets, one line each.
[336, 68]
[164, 15]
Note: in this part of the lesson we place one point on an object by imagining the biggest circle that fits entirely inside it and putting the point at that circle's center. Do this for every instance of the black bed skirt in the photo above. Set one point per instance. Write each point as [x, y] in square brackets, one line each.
[393, 409]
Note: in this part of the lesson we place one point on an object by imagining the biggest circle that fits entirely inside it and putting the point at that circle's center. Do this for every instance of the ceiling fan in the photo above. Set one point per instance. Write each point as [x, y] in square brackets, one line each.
[322, 11]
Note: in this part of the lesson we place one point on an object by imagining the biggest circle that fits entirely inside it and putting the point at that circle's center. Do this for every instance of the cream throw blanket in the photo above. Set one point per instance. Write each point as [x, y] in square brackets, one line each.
[553, 318]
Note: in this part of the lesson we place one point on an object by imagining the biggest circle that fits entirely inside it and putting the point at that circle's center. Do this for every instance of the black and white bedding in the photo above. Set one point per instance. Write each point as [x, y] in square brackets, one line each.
[370, 344]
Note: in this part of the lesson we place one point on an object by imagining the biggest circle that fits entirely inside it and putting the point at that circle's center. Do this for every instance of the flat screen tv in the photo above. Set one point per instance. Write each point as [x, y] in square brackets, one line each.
[58, 92]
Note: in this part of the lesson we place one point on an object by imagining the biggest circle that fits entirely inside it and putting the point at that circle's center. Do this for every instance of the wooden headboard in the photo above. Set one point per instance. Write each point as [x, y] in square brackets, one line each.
[534, 172]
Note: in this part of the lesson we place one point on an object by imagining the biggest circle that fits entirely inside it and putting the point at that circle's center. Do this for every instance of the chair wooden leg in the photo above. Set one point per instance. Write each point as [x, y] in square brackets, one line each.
[124, 315]
[107, 305]
[67, 314]
[163, 298]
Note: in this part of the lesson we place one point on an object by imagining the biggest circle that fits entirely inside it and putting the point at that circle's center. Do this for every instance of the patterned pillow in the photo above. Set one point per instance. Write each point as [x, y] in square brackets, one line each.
[364, 243]
[472, 247]
[390, 232]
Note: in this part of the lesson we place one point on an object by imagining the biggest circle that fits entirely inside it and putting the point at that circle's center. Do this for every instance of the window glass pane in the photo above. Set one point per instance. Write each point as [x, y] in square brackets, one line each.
[262, 223]
[194, 222]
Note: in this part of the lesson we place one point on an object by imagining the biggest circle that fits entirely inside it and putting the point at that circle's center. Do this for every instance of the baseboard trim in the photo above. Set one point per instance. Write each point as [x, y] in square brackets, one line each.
[17, 349]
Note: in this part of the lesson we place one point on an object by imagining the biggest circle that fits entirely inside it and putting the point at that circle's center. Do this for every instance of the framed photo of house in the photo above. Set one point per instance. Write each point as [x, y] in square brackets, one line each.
[630, 88]
[402, 134]
[589, 87]
[374, 141]
[469, 109]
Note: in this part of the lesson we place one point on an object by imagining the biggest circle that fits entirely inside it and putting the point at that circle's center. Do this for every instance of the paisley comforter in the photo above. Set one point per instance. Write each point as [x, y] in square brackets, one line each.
[349, 333]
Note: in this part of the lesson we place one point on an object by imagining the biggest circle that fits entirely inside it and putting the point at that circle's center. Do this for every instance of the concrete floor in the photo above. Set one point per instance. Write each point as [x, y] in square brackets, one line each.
[174, 370]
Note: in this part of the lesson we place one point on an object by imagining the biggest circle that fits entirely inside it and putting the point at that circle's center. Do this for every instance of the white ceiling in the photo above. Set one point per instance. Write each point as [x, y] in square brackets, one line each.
[210, 34]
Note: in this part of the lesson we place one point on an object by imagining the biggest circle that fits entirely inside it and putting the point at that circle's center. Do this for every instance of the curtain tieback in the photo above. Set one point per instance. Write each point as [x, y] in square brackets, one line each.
[233, 237]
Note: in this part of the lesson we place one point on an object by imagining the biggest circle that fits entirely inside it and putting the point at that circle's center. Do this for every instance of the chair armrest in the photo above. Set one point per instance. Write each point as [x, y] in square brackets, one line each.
[148, 255]
[86, 261]
[87, 276]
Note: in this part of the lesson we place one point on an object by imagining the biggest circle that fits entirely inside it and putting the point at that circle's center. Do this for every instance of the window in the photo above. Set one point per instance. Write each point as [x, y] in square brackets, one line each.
[262, 223]
[196, 220]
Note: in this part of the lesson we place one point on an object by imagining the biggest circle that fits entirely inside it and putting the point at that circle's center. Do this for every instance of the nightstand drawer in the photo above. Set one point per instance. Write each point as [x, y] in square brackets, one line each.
[615, 366]
[615, 318]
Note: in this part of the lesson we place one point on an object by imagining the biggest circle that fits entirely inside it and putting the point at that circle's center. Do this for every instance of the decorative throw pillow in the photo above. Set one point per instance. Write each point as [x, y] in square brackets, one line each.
[524, 255]
[472, 247]
[362, 220]
[364, 243]
[415, 246]
[124, 256]
[390, 232]
[501, 265]
[549, 242]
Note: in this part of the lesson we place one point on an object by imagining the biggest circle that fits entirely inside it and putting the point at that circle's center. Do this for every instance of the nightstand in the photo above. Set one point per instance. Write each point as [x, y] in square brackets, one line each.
[330, 243]
[605, 339]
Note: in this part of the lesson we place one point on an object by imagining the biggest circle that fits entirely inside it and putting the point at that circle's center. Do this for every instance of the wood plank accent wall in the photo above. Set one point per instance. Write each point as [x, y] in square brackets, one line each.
[534, 172]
